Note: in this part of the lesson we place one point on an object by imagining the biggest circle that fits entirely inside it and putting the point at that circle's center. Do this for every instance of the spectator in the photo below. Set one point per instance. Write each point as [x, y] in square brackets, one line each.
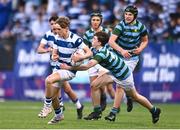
[39, 26]
[159, 31]
[5, 12]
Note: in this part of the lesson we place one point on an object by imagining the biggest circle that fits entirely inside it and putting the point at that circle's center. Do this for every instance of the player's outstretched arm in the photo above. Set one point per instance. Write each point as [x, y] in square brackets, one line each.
[88, 52]
[82, 67]
[85, 53]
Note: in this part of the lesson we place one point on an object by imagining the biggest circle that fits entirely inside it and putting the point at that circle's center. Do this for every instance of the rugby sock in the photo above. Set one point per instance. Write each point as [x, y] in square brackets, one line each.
[103, 96]
[61, 101]
[153, 110]
[97, 108]
[77, 102]
[48, 102]
[58, 112]
[128, 97]
[115, 110]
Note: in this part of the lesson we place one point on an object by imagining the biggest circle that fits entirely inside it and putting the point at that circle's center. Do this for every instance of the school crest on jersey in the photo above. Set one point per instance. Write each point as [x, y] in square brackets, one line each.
[69, 45]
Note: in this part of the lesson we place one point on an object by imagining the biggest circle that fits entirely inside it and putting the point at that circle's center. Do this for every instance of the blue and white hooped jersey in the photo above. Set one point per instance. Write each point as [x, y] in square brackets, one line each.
[48, 39]
[66, 47]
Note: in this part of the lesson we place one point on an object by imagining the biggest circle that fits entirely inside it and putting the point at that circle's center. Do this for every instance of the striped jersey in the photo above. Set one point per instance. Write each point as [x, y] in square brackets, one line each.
[48, 39]
[111, 61]
[129, 36]
[89, 34]
[66, 47]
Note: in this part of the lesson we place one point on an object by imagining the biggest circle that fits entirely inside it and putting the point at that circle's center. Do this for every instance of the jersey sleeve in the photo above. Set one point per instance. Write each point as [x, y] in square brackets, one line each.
[144, 31]
[44, 39]
[86, 40]
[107, 31]
[99, 57]
[79, 43]
[117, 30]
[82, 45]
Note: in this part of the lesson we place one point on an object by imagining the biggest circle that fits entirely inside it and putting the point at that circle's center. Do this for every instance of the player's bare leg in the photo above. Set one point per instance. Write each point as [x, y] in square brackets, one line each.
[102, 91]
[72, 95]
[97, 112]
[96, 87]
[50, 83]
[116, 106]
[46, 110]
[110, 90]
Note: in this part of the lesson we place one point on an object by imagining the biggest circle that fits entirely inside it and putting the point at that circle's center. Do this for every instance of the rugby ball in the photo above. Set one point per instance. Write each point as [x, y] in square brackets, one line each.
[78, 51]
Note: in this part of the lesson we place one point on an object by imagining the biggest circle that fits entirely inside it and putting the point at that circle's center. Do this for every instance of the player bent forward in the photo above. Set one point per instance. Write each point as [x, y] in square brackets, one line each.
[119, 72]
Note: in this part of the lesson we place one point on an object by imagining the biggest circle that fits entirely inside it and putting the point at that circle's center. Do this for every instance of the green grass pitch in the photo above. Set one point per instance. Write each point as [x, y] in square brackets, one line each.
[23, 115]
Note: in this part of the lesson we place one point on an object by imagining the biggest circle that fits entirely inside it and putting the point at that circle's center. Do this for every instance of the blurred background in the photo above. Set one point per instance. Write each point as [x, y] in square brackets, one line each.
[24, 22]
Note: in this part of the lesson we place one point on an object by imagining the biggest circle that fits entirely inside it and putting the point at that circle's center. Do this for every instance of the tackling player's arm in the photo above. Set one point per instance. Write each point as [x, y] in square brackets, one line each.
[82, 67]
[88, 53]
[79, 57]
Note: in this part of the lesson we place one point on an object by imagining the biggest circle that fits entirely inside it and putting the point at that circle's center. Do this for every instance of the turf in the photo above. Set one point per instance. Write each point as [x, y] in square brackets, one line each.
[23, 115]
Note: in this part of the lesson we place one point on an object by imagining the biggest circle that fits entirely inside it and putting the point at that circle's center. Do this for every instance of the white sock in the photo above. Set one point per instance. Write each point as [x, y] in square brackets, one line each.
[78, 104]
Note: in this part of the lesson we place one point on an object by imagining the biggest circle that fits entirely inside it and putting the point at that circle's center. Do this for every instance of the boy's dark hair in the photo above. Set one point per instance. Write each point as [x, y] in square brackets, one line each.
[98, 14]
[53, 18]
[63, 21]
[102, 37]
[133, 9]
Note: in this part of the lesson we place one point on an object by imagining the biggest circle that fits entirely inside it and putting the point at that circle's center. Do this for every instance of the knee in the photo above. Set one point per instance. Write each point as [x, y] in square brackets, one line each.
[48, 80]
[109, 88]
[93, 87]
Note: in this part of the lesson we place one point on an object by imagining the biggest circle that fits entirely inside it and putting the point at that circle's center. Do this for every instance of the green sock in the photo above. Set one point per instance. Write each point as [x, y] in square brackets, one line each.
[153, 109]
[97, 108]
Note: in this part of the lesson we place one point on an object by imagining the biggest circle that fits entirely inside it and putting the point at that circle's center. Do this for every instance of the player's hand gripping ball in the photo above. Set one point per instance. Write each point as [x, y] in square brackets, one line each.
[77, 53]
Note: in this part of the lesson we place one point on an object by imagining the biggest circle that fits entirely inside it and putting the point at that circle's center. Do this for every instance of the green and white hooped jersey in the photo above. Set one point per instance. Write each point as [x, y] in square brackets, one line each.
[89, 34]
[129, 36]
[111, 61]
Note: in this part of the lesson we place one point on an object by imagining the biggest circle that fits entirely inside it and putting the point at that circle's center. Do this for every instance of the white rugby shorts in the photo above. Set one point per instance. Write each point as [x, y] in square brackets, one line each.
[131, 63]
[127, 84]
[65, 76]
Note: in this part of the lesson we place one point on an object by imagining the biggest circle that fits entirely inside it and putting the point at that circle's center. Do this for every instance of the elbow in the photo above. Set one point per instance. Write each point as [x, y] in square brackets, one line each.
[110, 42]
[145, 43]
[38, 51]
